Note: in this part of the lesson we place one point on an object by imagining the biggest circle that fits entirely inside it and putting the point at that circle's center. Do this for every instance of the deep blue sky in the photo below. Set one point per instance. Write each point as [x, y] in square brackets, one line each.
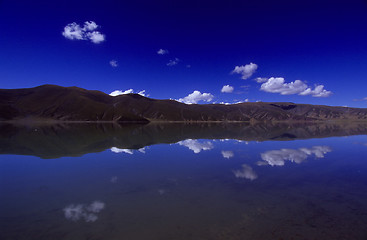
[317, 42]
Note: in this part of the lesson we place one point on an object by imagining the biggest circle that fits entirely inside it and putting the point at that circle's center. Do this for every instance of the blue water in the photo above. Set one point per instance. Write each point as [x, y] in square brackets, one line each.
[190, 189]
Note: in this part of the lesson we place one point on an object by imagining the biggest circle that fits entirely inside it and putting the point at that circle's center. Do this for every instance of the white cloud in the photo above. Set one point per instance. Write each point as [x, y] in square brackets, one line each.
[246, 172]
[278, 85]
[319, 91]
[90, 26]
[76, 212]
[227, 89]
[246, 71]
[96, 37]
[162, 51]
[227, 154]
[261, 79]
[113, 63]
[74, 31]
[196, 146]
[128, 151]
[121, 150]
[195, 97]
[173, 62]
[278, 157]
[120, 92]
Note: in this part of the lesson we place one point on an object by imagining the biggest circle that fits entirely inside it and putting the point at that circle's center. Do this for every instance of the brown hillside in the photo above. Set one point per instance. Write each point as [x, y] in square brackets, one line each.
[50, 102]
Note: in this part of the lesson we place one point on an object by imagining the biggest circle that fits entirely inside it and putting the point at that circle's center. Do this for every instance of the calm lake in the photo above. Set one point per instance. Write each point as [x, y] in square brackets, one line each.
[183, 181]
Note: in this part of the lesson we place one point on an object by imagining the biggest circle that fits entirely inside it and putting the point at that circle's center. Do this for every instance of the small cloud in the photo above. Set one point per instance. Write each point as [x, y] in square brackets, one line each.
[113, 179]
[96, 37]
[128, 151]
[173, 62]
[227, 89]
[261, 79]
[162, 51]
[196, 146]
[121, 92]
[121, 150]
[88, 213]
[227, 154]
[113, 63]
[246, 71]
[195, 97]
[246, 172]
[188, 66]
[278, 85]
[362, 99]
[74, 31]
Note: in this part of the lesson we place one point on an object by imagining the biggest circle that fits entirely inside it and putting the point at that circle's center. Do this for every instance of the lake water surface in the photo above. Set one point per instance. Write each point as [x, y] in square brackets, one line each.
[174, 181]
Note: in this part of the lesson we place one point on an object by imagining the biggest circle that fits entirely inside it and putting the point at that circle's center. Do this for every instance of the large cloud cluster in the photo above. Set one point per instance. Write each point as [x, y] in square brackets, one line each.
[74, 31]
[278, 157]
[278, 85]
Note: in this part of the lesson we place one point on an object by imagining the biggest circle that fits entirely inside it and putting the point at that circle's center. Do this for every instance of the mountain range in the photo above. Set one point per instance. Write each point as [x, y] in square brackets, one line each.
[56, 103]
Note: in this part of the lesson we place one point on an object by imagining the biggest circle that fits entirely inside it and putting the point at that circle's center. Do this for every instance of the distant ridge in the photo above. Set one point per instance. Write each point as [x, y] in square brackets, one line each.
[56, 103]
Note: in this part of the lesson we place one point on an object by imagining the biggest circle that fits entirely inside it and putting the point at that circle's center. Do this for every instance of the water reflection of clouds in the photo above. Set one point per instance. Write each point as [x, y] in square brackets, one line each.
[128, 151]
[278, 157]
[227, 154]
[196, 146]
[246, 172]
[88, 213]
[113, 179]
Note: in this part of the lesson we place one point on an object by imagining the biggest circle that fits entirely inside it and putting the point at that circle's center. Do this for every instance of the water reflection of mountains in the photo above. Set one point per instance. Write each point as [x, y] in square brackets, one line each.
[53, 141]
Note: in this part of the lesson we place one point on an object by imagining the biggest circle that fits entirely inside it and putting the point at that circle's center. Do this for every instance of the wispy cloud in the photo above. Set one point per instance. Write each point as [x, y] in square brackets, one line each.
[278, 85]
[121, 92]
[74, 31]
[173, 62]
[113, 179]
[246, 71]
[227, 89]
[195, 97]
[227, 154]
[234, 102]
[196, 146]
[113, 63]
[361, 99]
[128, 151]
[278, 157]
[162, 51]
[261, 79]
[88, 213]
[246, 172]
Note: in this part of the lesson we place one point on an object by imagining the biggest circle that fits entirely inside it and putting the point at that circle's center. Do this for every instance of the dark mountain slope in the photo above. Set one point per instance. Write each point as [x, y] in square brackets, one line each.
[50, 102]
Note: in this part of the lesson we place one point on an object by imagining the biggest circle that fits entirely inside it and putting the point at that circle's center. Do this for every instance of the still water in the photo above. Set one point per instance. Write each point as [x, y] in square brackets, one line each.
[174, 181]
